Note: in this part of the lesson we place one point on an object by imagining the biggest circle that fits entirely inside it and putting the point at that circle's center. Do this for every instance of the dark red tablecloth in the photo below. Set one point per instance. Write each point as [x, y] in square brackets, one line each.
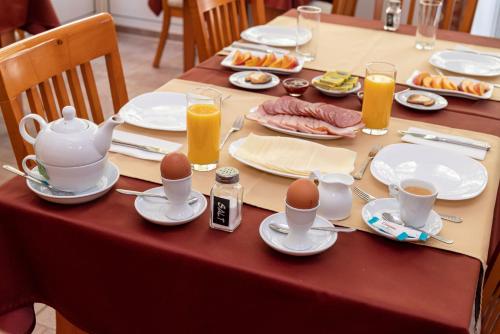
[109, 271]
[34, 16]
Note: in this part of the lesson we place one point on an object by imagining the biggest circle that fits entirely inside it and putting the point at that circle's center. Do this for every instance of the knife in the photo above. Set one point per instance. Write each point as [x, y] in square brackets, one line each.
[146, 148]
[257, 47]
[485, 147]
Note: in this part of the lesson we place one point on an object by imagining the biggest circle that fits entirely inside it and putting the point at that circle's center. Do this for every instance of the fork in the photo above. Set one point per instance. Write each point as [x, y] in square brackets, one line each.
[368, 198]
[359, 174]
[237, 125]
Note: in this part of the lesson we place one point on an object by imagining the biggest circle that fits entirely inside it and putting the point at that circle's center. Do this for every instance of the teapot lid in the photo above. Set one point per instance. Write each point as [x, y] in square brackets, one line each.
[69, 123]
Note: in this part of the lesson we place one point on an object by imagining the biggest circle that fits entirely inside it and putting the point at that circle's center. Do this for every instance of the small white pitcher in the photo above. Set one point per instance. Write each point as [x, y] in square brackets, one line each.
[335, 196]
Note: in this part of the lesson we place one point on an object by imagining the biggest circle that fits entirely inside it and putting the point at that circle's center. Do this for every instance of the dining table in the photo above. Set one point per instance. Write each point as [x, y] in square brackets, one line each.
[107, 270]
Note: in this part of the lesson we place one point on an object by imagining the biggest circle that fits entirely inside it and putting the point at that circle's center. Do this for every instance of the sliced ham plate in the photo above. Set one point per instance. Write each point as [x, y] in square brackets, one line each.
[309, 120]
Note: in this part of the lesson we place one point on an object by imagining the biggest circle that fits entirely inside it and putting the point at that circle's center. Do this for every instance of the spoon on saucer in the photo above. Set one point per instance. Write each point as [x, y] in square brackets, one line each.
[55, 191]
[283, 228]
[144, 194]
[393, 219]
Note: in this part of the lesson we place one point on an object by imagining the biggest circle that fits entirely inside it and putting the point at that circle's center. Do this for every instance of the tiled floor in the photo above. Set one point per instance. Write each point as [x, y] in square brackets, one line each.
[137, 54]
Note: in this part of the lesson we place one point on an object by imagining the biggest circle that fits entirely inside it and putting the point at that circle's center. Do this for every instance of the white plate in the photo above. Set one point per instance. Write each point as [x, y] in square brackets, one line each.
[455, 176]
[297, 133]
[447, 92]
[336, 93]
[466, 63]
[322, 240]
[402, 98]
[228, 62]
[157, 110]
[376, 207]
[276, 35]
[153, 209]
[238, 79]
[110, 177]
[234, 147]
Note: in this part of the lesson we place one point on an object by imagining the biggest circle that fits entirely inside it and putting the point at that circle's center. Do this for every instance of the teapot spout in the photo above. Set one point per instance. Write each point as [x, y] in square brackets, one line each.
[104, 135]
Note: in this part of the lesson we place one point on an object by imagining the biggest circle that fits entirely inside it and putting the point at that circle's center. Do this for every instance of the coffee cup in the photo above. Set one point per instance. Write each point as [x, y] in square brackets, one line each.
[178, 192]
[299, 222]
[73, 179]
[416, 199]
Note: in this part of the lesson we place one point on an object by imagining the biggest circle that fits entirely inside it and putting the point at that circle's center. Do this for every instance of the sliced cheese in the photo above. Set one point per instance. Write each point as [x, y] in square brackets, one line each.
[295, 156]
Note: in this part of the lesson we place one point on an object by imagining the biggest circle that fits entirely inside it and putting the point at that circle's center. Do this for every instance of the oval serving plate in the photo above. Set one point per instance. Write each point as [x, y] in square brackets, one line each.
[228, 62]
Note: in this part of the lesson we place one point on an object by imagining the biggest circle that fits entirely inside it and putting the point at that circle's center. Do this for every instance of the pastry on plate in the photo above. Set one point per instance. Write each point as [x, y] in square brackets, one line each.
[258, 78]
[421, 99]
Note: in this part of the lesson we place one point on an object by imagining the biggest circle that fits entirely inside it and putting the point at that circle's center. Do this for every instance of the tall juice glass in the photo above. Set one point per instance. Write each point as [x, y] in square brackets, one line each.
[203, 129]
[379, 85]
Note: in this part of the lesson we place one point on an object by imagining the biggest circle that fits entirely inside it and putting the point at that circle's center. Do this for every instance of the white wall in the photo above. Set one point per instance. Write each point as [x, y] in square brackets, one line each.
[486, 21]
[72, 10]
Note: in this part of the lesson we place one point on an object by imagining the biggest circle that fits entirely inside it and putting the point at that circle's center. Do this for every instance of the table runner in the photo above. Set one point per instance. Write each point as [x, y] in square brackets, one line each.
[350, 48]
[267, 191]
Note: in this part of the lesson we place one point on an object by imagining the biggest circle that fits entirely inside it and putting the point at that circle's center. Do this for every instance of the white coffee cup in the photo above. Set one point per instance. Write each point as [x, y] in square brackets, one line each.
[414, 209]
[178, 192]
[299, 222]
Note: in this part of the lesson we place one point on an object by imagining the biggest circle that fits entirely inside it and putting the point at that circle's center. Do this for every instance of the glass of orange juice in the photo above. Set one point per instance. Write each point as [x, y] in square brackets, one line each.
[203, 128]
[379, 85]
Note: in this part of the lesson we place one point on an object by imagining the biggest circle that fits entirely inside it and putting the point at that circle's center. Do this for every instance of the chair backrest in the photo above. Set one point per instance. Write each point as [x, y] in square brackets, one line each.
[36, 66]
[218, 23]
[456, 14]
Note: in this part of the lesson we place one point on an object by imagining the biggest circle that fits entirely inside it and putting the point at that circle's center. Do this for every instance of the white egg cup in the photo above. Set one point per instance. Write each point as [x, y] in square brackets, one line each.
[178, 192]
[299, 222]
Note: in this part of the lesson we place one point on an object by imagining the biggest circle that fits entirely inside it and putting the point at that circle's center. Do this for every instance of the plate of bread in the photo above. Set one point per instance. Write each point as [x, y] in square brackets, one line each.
[450, 85]
[421, 100]
[254, 80]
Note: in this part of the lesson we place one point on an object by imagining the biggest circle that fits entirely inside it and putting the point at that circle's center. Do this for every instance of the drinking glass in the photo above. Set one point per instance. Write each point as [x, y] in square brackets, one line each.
[308, 19]
[203, 128]
[429, 12]
[379, 85]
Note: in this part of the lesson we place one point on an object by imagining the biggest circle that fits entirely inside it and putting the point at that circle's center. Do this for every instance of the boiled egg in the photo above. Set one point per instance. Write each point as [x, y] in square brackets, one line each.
[175, 166]
[302, 194]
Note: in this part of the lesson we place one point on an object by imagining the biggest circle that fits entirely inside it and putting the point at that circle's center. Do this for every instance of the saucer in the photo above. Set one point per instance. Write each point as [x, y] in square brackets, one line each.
[154, 209]
[322, 240]
[376, 207]
[402, 98]
[108, 180]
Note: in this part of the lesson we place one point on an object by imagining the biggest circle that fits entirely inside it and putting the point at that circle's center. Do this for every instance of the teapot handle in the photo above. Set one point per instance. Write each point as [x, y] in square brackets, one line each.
[22, 127]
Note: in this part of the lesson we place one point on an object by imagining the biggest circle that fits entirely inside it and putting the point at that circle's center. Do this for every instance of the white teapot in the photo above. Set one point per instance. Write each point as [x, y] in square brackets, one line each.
[70, 152]
[335, 196]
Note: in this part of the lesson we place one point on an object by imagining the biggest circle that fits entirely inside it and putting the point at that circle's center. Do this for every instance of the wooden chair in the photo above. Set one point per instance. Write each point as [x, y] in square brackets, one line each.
[170, 8]
[463, 22]
[218, 23]
[36, 66]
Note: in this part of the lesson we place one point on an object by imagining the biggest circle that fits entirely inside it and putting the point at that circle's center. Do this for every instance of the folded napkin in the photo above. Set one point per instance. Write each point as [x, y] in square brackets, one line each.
[397, 231]
[471, 152]
[132, 138]
[295, 156]
[249, 47]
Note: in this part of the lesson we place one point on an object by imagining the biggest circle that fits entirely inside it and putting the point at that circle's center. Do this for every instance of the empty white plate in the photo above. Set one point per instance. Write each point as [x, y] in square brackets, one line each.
[467, 63]
[402, 98]
[456, 176]
[157, 111]
[322, 240]
[276, 35]
[238, 79]
[107, 181]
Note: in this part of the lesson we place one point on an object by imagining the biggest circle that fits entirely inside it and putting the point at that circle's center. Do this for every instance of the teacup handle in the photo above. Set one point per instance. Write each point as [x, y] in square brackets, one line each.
[27, 170]
[394, 191]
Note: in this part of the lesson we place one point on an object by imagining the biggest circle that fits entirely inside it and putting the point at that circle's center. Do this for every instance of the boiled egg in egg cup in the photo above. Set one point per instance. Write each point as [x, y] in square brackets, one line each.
[302, 202]
[176, 178]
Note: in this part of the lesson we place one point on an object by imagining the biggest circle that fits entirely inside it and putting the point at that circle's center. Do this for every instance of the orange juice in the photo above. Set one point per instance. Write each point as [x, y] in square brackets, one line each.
[377, 101]
[203, 134]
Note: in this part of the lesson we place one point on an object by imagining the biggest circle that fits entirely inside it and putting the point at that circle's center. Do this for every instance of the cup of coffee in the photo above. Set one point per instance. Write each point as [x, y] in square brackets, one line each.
[416, 199]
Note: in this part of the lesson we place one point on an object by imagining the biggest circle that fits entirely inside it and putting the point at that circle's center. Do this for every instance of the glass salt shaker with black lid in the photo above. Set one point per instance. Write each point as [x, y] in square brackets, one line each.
[392, 18]
[226, 198]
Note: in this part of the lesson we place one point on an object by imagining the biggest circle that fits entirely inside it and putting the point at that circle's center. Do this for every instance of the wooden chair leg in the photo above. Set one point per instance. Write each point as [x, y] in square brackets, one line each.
[163, 36]
[189, 44]
[63, 326]
[7, 37]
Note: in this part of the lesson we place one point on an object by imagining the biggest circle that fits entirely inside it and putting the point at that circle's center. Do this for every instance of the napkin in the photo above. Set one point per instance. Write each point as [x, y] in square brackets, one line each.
[132, 138]
[249, 47]
[398, 231]
[471, 152]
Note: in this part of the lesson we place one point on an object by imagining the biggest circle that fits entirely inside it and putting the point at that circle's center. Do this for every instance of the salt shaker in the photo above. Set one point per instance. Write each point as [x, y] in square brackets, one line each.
[226, 198]
[392, 18]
